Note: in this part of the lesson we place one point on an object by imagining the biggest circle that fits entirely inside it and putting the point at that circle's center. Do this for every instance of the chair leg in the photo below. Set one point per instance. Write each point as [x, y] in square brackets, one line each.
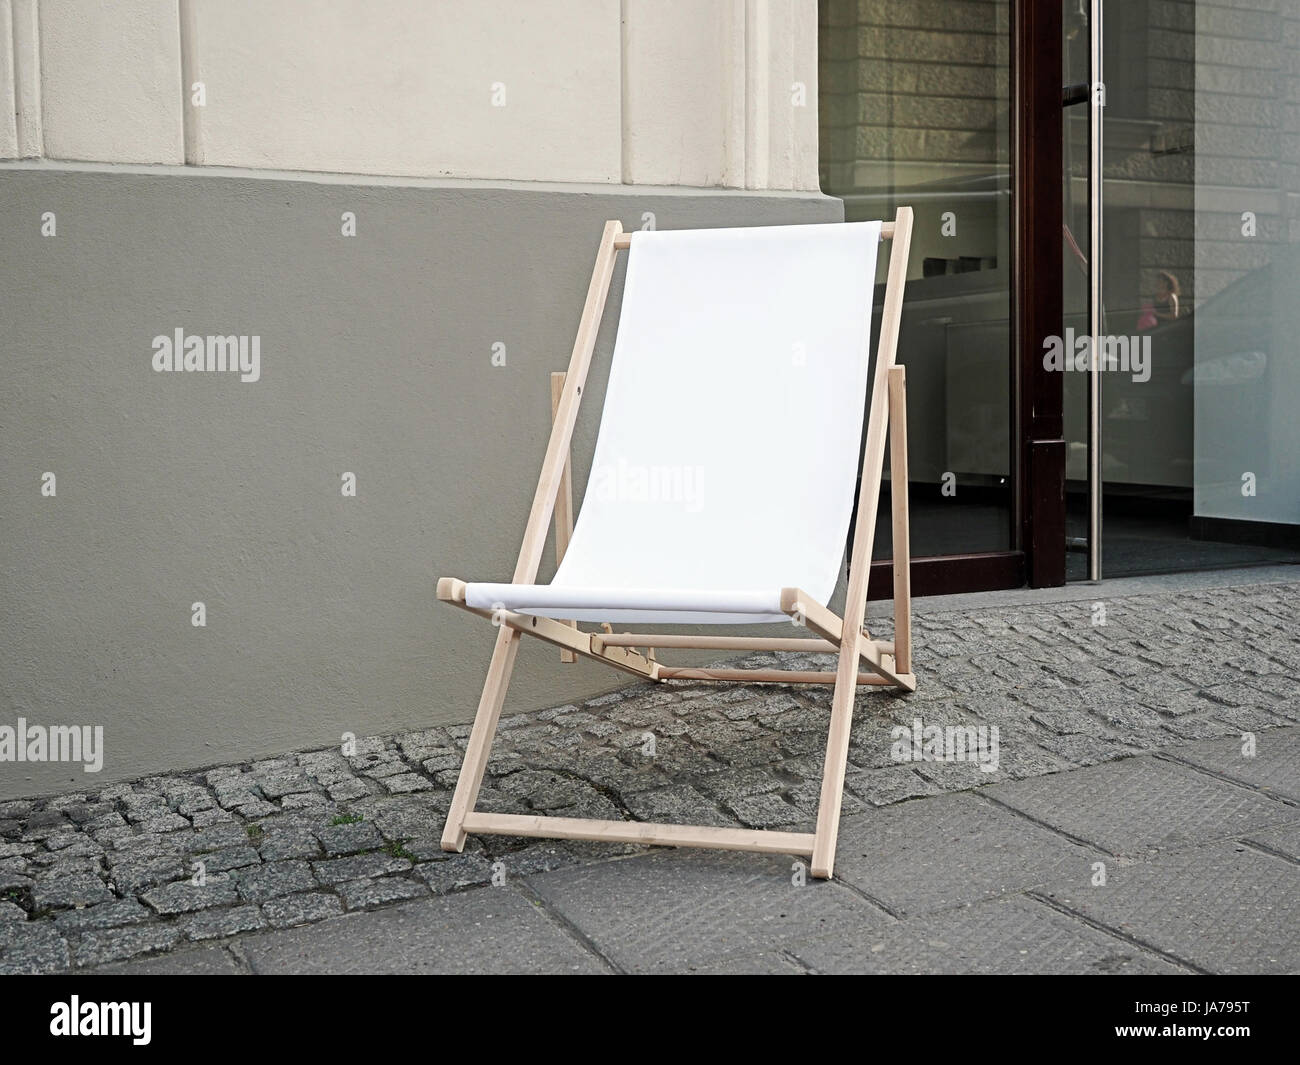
[837, 758]
[480, 737]
[902, 531]
[563, 499]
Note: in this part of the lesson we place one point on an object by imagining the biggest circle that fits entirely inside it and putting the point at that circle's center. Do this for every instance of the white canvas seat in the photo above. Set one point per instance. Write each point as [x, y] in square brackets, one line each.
[706, 495]
[721, 486]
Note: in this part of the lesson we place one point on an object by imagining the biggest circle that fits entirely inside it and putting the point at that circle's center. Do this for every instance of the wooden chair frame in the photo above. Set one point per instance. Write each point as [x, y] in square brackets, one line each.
[888, 663]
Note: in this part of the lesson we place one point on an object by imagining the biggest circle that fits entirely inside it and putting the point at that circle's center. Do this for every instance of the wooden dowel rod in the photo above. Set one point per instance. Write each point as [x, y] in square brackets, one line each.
[718, 643]
[729, 643]
[734, 839]
[624, 241]
[761, 676]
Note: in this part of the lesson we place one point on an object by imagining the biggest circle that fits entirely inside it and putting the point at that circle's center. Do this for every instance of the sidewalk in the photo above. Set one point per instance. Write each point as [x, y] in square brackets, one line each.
[1120, 756]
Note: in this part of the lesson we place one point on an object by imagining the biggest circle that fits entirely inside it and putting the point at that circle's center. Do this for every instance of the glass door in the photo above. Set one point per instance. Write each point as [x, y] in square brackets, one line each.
[1195, 442]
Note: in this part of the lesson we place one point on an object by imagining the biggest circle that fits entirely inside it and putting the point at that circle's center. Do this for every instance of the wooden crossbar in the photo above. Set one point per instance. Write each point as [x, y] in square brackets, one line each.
[889, 663]
[733, 839]
[624, 241]
[765, 676]
[727, 643]
[718, 643]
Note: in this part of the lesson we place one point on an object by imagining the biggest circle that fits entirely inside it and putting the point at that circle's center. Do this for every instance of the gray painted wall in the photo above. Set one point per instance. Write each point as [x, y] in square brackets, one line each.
[174, 488]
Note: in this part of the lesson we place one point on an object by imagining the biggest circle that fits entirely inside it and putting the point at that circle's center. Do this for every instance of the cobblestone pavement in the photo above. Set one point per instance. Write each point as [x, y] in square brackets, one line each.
[225, 857]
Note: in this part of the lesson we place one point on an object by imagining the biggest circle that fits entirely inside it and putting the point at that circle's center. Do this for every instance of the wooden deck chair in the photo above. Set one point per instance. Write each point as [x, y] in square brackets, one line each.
[720, 491]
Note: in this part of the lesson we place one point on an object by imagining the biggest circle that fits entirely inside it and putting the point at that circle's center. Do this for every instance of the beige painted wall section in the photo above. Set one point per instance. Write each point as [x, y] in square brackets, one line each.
[26, 80]
[699, 93]
[496, 88]
[8, 110]
[110, 80]
[683, 102]
[720, 93]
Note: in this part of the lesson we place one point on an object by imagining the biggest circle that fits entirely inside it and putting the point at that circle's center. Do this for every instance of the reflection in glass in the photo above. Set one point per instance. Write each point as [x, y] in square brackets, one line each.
[915, 111]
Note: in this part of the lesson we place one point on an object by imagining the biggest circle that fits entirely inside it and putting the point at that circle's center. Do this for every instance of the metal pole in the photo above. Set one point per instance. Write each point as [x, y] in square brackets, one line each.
[1095, 106]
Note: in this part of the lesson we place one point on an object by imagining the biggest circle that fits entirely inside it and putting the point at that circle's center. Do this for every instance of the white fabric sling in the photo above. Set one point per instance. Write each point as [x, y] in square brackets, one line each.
[705, 498]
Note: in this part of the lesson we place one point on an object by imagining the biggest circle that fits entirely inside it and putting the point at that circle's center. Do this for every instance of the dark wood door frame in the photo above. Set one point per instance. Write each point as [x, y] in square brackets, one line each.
[952, 574]
[1037, 305]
